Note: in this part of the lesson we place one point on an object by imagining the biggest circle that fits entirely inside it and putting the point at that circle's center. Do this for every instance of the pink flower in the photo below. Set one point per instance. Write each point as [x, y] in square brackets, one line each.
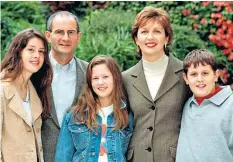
[206, 3]
[203, 21]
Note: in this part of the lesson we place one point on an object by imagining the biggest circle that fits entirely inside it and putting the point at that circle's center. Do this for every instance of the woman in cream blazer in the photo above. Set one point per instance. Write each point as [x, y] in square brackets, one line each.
[24, 81]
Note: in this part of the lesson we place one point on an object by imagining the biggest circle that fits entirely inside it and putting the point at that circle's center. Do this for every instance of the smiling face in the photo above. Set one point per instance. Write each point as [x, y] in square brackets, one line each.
[201, 79]
[102, 83]
[33, 56]
[151, 39]
[63, 36]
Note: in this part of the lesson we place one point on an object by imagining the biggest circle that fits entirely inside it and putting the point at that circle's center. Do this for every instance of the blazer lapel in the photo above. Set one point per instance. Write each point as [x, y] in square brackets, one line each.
[79, 80]
[53, 110]
[15, 103]
[140, 81]
[170, 78]
[35, 103]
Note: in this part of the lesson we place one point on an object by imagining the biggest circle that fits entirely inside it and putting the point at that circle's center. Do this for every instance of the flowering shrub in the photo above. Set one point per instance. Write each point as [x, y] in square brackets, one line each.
[213, 22]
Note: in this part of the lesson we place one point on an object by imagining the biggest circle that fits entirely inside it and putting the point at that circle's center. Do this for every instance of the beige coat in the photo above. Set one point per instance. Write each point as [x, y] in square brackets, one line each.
[156, 121]
[19, 142]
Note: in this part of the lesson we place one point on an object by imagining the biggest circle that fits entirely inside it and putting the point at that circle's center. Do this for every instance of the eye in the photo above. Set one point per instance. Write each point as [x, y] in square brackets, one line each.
[95, 78]
[30, 49]
[205, 73]
[193, 74]
[59, 32]
[144, 32]
[157, 31]
[72, 32]
[42, 52]
[105, 76]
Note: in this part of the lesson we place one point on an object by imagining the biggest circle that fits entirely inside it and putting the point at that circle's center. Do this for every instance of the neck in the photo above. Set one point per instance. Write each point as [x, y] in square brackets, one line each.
[62, 59]
[152, 58]
[104, 103]
[21, 82]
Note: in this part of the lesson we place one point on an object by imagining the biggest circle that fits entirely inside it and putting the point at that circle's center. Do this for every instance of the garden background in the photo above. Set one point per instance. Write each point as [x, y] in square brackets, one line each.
[106, 26]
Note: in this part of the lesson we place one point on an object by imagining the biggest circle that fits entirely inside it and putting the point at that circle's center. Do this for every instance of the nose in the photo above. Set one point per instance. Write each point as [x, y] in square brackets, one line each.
[100, 81]
[150, 35]
[200, 78]
[65, 36]
[36, 54]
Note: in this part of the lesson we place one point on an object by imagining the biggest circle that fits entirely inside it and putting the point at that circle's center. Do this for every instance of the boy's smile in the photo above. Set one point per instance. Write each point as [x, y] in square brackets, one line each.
[201, 79]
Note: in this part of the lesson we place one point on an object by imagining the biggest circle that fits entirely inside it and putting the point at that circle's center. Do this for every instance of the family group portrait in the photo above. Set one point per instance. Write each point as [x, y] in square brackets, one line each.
[116, 81]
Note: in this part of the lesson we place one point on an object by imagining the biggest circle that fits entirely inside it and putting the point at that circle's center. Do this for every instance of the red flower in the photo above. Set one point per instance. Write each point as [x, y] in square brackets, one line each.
[195, 26]
[212, 21]
[229, 9]
[226, 51]
[230, 57]
[206, 3]
[186, 12]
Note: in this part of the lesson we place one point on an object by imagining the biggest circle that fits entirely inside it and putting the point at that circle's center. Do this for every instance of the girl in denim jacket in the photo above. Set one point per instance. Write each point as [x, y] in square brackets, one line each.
[99, 127]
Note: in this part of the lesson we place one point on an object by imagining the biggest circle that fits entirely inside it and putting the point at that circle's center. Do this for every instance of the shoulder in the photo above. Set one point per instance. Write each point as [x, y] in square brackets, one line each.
[175, 63]
[128, 71]
[68, 116]
[81, 62]
[133, 71]
[6, 86]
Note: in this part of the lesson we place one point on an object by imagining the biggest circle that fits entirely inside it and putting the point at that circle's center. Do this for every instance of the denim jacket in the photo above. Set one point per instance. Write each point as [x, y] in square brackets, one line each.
[77, 143]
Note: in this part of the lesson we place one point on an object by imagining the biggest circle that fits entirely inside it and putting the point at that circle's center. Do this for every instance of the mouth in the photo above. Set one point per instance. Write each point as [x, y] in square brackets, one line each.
[102, 88]
[201, 86]
[64, 45]
[34, 62]
[151, 44]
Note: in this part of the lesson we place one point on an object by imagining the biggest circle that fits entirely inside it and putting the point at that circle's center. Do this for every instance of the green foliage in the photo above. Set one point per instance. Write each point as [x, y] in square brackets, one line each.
[16, 16]
[185, 40]
[105, 32]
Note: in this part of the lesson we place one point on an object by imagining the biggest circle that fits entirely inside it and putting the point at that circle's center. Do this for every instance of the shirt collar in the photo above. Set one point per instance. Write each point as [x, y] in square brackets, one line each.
[58, 66]
[218, 98]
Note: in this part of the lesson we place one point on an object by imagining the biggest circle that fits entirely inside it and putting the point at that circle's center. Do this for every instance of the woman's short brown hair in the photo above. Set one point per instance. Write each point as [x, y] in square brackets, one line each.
[150, 13]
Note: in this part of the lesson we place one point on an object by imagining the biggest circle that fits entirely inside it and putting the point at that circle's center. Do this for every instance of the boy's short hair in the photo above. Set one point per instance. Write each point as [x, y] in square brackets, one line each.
[199, 56]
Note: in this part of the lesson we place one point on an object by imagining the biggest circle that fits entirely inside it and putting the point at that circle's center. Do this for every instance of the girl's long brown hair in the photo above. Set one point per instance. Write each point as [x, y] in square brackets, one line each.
[87, 106]
[12, 66]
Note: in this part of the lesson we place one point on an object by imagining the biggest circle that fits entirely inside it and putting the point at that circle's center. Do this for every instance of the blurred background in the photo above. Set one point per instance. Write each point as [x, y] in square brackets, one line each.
[106, 27]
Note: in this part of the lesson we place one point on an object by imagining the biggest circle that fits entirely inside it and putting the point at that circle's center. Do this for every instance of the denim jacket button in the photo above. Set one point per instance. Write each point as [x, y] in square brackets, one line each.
[96, 133]
[93, 153]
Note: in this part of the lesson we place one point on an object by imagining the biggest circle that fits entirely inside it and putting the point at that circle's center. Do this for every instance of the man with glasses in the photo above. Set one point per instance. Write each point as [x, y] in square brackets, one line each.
[68, 75]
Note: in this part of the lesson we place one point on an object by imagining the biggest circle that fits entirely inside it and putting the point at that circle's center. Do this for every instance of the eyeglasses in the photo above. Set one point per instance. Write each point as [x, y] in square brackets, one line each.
[61, 33]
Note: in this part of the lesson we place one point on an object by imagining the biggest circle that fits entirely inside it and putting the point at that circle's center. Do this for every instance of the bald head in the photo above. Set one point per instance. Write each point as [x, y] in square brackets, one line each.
[61, 14]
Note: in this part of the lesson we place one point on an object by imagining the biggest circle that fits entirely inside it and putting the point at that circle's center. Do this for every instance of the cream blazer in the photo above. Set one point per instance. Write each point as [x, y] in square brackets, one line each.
[19, 141]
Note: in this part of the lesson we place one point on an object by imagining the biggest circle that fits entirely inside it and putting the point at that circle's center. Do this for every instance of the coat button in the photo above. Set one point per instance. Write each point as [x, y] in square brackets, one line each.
[148, 149]
[93, 153]
[152, 107]
[29, 129]
[150, 128]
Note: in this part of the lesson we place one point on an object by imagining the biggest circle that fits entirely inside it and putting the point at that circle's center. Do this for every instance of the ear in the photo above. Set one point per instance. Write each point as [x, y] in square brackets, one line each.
[48, 36]
[79, 36]
[136, 40]
[167, 39]
[185, 78]
[217, 73]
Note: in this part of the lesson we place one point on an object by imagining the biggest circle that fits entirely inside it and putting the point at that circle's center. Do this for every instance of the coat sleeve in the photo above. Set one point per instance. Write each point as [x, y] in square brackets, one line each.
[65, 147]
[1, 119]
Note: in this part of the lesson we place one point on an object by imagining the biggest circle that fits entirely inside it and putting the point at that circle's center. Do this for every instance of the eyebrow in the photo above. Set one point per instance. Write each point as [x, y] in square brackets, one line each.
[35, 46]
